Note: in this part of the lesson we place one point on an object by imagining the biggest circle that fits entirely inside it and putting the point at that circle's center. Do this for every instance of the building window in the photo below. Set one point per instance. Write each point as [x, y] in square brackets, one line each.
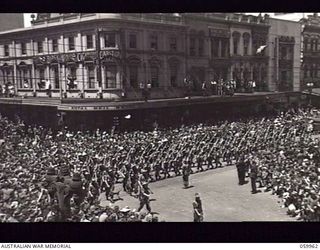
[154, 76]
[41, 77]
[246, 41]
[71, 43]
[308, 46]
[154, 41]
[23, 78]
[111, 72]
[91, 77]
[173, 43]
[283, 53]
[54, 45]
[6, 50]
[89, 41]
[215, 47]
[305, 72]
[56, 78]
[235, 43]
[133, 72]
[174, 75]
[110, 40]
[284, 76]
[192, 46]
[224, 48]
[201, 43]
[40, 46]
[72, 73]
[132, 41]
[23, 49]
[306, 41]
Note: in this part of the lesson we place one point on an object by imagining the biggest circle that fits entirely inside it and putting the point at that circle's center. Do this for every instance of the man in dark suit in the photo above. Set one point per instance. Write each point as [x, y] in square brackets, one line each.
[241, 169]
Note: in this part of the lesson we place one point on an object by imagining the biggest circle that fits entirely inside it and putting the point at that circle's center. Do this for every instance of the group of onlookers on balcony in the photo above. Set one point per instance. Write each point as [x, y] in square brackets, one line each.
[222, 87]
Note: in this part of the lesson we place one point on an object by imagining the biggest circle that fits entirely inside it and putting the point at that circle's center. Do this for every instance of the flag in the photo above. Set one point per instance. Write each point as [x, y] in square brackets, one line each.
[261, 48]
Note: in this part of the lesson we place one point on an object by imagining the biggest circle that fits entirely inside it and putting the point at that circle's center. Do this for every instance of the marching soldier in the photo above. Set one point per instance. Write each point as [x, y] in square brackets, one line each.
[157, 170]
[165, 168]
[209, 161]
[199, 163]
[185, 174]
[253, 177]
[217, 159]
[144, 197]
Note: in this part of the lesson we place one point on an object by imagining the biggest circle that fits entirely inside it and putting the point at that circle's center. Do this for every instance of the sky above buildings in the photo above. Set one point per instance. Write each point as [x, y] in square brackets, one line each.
[27, 19]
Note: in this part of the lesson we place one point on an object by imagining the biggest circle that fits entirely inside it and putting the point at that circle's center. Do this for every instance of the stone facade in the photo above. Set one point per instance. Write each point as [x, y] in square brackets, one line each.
[311, 50]
[284, 44]
[135, 49]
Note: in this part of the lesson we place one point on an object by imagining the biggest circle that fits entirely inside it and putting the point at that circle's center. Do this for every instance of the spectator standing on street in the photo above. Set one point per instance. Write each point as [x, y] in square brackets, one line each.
[253, 177]
[197, 209]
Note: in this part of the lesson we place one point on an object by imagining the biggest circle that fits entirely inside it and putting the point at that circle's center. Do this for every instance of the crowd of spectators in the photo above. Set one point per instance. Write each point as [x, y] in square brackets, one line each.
[283, 148]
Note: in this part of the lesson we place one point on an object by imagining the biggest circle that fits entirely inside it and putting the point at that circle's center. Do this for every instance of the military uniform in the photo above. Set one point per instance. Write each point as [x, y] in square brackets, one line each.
[253, 177]
[145, 198]
[241, 172]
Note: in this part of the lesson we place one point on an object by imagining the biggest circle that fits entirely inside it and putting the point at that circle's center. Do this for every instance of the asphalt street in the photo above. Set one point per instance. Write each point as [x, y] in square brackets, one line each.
[222, 198]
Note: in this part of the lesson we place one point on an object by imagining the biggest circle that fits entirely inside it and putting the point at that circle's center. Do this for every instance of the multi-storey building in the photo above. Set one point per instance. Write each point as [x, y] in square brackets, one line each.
[284, 55]
[311, 50]
[115, 54]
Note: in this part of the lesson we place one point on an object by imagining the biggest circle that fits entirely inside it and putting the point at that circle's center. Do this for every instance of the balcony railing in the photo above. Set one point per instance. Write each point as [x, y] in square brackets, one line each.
[159, 18]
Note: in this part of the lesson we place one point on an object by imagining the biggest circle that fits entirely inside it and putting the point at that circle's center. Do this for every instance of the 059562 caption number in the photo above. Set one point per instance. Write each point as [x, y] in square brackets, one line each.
[308, 245]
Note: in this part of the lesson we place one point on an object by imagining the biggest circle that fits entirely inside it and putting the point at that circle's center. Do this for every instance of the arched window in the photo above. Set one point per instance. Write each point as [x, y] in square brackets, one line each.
[246, 42]
[174, 72]
[305, 47]
[56, 78]
[215, 47]
[133, 75]
[192, 47]
[236, 40]
[154, 72]
[201, 43]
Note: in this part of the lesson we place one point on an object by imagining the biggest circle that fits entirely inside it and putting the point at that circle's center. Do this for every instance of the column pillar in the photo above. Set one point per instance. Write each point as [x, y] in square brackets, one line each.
[118, 77]
[63, 78]
[250, 46]
[219, 49]
[80, 81]
[230, 72]
[103, 75]
[33, 76]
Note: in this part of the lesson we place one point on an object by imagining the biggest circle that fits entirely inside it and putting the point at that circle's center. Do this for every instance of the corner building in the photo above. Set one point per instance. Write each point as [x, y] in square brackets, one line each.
[116, 53]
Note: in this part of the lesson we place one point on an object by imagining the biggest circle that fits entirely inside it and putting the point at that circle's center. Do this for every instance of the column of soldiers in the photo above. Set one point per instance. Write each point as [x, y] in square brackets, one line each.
[137, 158]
